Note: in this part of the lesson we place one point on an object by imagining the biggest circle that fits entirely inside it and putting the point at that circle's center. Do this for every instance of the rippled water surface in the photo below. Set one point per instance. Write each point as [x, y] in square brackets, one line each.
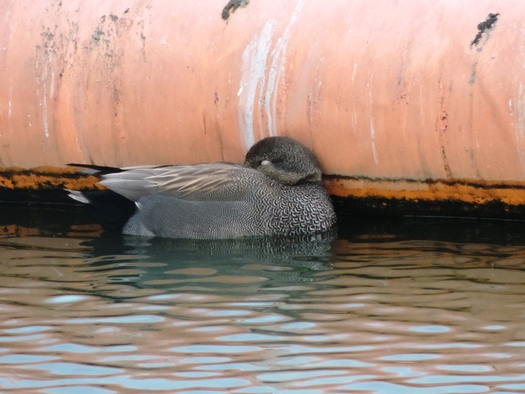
[397, 306]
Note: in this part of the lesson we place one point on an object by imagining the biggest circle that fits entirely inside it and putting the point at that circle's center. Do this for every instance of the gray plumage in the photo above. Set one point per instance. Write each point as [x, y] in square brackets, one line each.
[277, 191]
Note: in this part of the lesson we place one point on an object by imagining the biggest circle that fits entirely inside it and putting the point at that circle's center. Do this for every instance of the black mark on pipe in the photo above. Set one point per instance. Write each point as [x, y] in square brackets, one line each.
[484, 26]
[233, 5]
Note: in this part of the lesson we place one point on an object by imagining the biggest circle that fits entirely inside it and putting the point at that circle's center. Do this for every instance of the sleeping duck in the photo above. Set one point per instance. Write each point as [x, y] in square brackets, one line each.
[277, 192]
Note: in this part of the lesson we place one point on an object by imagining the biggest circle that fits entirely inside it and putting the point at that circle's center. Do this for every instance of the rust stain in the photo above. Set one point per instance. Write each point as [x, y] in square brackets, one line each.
[42, 183]
[468, 191]
[442, 127]
[504, 199]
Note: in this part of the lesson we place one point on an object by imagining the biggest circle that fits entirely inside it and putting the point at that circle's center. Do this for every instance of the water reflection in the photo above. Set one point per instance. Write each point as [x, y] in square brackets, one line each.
[410, 306]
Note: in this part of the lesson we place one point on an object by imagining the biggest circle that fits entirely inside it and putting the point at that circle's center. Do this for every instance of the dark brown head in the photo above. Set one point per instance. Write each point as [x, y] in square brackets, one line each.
[284, 160]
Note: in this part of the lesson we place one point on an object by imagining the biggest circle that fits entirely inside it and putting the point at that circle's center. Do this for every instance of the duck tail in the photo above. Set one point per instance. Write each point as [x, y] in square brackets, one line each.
[95, 169]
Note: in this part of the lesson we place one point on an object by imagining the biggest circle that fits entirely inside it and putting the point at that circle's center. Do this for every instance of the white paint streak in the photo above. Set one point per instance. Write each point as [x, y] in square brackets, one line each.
[372, 127]
[262, 69]
[43, 92]
[354, 73]
[520, 112]
[52, 86]
[10, 102]
[254, 59]
[45, 81]
[44, 108]
[520, 127]
[277, 69]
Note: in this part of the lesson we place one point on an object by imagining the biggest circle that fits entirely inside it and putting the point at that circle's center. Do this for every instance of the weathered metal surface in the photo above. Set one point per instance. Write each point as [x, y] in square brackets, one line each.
[400, 100]
[351, 195]
[42, 183]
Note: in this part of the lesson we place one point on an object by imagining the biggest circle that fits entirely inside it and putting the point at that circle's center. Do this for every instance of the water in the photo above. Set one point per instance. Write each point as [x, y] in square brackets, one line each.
[391, 306]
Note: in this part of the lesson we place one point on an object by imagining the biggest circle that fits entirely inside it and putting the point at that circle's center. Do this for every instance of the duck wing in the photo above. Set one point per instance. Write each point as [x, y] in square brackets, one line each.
[198, 182]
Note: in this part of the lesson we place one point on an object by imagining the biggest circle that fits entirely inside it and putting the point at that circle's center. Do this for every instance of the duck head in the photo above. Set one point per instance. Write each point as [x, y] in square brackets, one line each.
[285, 160]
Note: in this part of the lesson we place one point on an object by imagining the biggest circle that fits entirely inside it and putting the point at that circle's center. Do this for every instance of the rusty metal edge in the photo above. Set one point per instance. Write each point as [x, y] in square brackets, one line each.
[351, 195]
[44, 184]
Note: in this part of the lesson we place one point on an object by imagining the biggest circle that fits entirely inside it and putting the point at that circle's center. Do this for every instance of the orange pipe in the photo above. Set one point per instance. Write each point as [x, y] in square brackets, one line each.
[398, 93]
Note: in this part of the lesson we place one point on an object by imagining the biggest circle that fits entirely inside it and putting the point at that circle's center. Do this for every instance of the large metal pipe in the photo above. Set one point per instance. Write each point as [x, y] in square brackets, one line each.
[399, 99]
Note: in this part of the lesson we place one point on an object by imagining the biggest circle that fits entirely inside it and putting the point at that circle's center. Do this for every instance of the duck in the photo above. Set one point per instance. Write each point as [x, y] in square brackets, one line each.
[277, 191]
